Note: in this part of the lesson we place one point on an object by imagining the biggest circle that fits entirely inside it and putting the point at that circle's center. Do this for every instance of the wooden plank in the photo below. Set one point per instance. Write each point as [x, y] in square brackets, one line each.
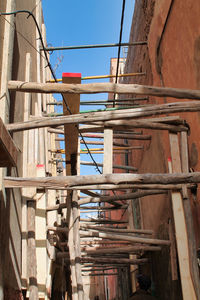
[32, 260]
[71, 106]
[8, 150]
[77, 247]
[107, 115]
[71, 132]
[108, 151]
[72, 250]
[131, 256]
[115, 179]
[173, 252]
[91, 88]
[189, 217]
[40, 235]
[188, 288]
[27, 105]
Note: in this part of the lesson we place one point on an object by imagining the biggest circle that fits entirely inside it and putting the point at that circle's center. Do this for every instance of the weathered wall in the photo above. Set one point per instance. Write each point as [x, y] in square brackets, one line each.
[171, 59]
[11, 202]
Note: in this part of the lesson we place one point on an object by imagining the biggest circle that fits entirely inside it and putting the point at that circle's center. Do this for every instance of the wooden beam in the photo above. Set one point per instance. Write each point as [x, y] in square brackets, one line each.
[129, 249]
[128, 196]
[32, 261]
[90, 88]
[88, 163]
[118, 230]
[101, 274]
[124, 125]
[114, 260]
[189, 217]
[107, 115]
[124, 237]
[71, 104]
[124, 187]
[115, 179]
[8, 150]
[27, 106]
[188, 288]
[102, 221]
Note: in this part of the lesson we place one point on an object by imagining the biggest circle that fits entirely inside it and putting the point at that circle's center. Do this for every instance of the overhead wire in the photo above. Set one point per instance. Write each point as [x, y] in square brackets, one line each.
[120, 41]
[23, 36]
[30, 14]
[53, 74]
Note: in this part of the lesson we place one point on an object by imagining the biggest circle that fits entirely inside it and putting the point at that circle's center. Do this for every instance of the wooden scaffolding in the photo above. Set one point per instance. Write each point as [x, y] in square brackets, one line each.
[88, 245]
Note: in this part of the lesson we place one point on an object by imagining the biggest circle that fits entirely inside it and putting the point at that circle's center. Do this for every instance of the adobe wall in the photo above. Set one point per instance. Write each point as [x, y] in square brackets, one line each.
[172, 60]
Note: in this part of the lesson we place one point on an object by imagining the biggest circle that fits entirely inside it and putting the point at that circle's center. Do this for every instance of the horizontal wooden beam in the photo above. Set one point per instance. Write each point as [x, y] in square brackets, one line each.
[57, 229]
[118, 230]
[115, 179]
[124, 187]
[127, 196]
[83, 209]
[100, 274]
[90, 88]
[102, 221]
[124, 237]
[8, 149]
[114, 260]
[129, 249]
[124, 124]
[88, 163]
[107, 115]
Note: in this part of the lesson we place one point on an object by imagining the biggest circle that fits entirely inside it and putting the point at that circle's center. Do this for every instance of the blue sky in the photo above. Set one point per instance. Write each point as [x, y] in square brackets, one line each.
[79, 22]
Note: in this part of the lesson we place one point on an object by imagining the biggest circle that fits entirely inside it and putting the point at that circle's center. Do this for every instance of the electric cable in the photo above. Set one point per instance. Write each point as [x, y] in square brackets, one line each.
[120, 41]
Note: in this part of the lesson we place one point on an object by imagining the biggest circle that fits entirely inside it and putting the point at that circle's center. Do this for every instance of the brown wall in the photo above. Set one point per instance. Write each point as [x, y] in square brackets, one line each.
[170, 59]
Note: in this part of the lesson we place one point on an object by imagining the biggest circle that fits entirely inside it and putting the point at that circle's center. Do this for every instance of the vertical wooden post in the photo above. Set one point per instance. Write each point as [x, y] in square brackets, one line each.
[71, 104]
[6, 73]
[132, 267]
[32, 261]
[188, 288]
[188, 216]
[108, 151]
[40, 229]
[27, 104]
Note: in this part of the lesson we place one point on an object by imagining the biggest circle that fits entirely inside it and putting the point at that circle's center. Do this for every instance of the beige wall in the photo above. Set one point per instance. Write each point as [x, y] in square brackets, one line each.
[11, 201]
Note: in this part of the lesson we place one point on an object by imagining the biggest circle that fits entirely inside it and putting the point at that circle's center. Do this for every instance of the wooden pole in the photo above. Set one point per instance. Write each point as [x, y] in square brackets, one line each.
[72, 250]
[124, 124]
[132, 249]
[32, 261]
[128, 196]
[118, 230]
[114, 260]
[132, 239]
[103, 221]
[124, 187]
[107, 115]
[91, 88]
[101, 274]
[88, 163]
[115, 179]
